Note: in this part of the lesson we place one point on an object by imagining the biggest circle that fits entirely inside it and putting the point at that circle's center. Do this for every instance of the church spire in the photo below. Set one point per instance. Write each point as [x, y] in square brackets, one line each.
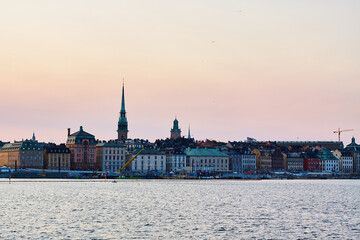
[175, 131]
[189, 136]
[123, 100]
[122, 124]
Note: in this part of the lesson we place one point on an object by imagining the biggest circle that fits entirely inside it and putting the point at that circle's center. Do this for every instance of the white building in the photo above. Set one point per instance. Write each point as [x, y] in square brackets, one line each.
[113, 156]
[206, 160]
[149, 160]
[331, 165]
[330, 162]
[175, 162]
[248, 160]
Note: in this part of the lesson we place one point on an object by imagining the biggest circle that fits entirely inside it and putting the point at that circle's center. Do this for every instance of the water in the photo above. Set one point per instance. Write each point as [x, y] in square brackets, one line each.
[166, 209]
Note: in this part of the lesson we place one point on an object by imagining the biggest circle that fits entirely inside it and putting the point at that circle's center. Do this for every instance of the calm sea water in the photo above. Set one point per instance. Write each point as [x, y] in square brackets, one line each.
[166, 209]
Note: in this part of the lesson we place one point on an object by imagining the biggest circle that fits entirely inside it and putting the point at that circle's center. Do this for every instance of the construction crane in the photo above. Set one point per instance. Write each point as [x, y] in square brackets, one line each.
[339, 131]
[128, 162]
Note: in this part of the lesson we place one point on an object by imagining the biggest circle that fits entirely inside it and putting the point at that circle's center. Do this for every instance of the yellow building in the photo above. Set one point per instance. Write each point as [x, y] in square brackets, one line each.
[56, 157]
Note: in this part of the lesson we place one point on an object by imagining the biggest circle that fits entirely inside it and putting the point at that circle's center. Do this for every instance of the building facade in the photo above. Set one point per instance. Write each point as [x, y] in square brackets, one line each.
[31, 155]
[149, 161]
[313, 164]
[346, 162]
[82, 146]
[176, 162]
[329, 161]
[277, 160]
[248, 161]
[294, 162]
[10, 154]
[23, 154]
[113, 156]
[206, 160]
[266, 161]
[355, 151]
[57, 157]
[235, 162]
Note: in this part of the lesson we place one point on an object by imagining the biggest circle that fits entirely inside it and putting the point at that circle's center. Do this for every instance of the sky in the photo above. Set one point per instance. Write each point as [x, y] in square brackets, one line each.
[269, 69]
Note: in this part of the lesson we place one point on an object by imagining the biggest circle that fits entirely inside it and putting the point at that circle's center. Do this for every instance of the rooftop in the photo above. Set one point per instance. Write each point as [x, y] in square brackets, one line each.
[205, 152]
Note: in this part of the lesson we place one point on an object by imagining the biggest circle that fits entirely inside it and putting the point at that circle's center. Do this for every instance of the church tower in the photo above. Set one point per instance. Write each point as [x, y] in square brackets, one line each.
[122, 124]
[175, 131]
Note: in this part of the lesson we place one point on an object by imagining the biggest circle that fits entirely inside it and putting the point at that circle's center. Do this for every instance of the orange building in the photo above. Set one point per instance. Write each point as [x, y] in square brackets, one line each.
[22, 154]
[82, 146]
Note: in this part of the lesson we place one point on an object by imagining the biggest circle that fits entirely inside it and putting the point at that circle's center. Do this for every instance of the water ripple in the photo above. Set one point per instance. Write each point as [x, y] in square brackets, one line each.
[164, 209]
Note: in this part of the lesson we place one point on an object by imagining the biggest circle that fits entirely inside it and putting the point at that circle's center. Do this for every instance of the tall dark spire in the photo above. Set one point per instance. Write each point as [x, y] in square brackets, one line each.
[189, 135]
[123, 101]
[122, 124]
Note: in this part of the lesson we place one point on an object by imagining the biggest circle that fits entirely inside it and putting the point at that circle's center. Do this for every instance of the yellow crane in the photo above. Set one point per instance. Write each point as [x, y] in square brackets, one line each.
[339, 131]
[128, 162]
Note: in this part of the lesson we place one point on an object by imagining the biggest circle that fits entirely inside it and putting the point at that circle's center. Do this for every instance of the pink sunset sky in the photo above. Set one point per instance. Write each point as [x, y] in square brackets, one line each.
[271, 70]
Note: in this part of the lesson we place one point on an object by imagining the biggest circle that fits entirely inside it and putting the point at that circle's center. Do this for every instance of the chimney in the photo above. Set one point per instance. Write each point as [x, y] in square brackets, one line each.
[68, 131]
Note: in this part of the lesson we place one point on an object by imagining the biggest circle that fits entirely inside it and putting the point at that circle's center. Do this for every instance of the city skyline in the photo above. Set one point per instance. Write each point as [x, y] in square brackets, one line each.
[270, 70]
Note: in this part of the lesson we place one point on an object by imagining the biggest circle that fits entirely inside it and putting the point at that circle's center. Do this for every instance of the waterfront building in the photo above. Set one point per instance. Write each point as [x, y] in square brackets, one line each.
[113, 156]
[22, 154]
[346, 162]
[248, 161]
[176, 162]
[277, 160]
[258, 159]
[56, 157]
[175, 132]
[357, 165]
[82, 146]
[31, 155]
[235, 160]
[329, 161]
[99, 155]
[122, 123]
[235, 163]
[313, 164]
[295, 162]
[206, 160]
[355, 150]
[149, 160]
[10, 154]
[265, 161]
